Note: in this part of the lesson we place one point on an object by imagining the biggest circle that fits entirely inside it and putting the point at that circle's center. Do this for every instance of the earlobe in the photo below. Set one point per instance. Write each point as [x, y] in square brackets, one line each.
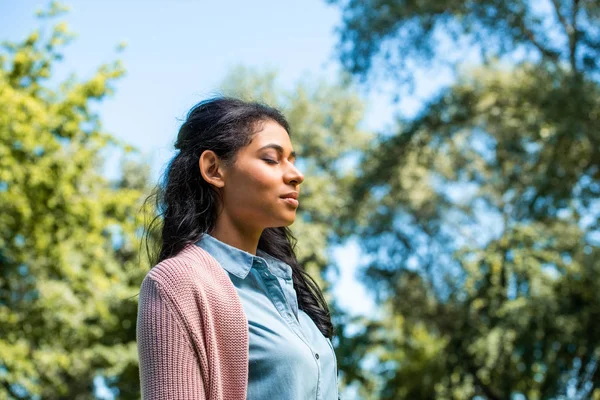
[211, 168]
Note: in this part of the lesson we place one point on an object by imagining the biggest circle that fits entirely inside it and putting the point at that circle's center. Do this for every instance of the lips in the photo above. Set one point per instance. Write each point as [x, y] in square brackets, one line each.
[291, 201]
[291, 195]
[291, 198]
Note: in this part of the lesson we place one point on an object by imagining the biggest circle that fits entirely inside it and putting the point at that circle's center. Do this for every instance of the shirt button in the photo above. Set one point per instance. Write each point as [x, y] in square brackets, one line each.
[317, 356]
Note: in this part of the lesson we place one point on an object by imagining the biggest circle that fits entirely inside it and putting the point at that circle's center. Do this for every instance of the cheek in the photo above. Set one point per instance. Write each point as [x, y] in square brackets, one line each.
[260, 179]
[254, 182]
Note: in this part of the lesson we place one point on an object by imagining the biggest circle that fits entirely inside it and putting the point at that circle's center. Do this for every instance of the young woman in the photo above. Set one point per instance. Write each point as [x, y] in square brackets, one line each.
[227, 312]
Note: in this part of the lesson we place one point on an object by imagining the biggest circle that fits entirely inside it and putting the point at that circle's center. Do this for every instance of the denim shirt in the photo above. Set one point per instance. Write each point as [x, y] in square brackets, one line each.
[289, 358]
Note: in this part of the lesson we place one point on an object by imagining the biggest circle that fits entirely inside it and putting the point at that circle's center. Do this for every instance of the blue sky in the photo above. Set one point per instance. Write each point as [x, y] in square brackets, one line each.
[179, 51]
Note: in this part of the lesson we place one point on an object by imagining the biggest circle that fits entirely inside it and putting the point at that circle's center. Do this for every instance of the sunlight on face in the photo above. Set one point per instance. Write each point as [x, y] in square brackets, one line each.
[264, 171]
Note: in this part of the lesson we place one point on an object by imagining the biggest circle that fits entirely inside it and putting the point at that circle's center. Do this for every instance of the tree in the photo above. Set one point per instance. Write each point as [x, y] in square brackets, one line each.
[480, 215]
[393, 37]
[69, 267]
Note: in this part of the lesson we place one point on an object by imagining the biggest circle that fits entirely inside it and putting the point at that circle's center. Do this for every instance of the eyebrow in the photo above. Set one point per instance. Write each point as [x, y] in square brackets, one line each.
[278, 148]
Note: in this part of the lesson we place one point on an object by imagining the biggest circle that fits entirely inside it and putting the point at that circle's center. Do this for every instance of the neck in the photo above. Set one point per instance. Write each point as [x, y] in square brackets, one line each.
[241, 237]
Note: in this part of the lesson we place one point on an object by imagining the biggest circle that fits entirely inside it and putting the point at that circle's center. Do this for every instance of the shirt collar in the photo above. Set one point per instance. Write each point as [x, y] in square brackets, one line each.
[275, 265]
[239, 262]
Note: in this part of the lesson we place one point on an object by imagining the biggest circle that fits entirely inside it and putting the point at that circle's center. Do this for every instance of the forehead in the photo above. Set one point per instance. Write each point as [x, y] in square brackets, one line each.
[270, 132]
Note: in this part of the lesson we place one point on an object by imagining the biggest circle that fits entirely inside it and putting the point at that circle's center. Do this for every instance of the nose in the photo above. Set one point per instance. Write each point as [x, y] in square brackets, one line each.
[294, 175]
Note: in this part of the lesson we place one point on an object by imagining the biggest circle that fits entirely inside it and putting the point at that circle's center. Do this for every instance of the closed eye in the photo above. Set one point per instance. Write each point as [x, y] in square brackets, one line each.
[269, 161]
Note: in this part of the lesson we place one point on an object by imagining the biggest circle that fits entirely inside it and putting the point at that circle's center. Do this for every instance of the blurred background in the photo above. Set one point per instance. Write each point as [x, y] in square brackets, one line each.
[451, 204]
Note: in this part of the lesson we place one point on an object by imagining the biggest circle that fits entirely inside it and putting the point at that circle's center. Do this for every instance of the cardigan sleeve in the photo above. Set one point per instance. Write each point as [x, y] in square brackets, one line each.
[169, 369]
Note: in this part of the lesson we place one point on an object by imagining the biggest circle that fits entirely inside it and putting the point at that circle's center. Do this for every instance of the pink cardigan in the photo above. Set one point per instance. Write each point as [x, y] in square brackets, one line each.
[192, 332]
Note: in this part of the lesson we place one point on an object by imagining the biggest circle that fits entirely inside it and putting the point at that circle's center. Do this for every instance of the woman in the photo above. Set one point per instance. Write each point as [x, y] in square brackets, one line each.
[227, 312]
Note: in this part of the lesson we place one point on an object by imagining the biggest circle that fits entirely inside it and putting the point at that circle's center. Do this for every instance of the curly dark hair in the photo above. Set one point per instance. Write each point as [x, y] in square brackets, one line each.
[187, 205]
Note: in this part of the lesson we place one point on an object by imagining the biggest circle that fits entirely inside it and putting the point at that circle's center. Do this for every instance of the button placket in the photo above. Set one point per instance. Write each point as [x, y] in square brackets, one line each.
[276, 292]
[278, 297]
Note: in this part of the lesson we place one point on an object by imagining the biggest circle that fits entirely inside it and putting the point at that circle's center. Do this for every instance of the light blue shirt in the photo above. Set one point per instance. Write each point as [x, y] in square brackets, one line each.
[289, 358]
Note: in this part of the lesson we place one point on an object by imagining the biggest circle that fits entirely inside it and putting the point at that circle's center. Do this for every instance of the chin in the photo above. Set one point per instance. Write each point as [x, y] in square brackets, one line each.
[292, 219]
[287, 222]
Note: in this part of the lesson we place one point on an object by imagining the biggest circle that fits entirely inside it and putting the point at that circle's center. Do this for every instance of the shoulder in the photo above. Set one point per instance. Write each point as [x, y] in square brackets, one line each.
[192, 266]
[190, 279]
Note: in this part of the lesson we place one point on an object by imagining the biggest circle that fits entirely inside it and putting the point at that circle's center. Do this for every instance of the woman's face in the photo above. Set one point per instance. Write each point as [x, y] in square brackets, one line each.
[263, 173]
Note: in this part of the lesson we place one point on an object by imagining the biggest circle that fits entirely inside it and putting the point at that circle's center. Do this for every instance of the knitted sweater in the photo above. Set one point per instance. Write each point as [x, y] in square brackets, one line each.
[192, 332]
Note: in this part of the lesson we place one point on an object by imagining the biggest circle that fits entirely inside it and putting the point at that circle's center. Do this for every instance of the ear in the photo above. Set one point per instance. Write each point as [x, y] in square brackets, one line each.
[212, 168]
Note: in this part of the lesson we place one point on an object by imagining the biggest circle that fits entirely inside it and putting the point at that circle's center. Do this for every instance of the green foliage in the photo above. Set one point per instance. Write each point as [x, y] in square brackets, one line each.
[480, 216]
[68, 256]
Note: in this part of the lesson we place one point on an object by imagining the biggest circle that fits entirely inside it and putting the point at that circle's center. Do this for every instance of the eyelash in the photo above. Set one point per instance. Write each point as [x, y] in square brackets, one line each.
[269, 161]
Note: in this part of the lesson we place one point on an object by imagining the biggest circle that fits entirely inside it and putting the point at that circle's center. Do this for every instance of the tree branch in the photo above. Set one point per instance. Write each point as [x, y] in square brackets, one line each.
[570, 30]
[561, 18]
[552, 54]
[573, 37]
